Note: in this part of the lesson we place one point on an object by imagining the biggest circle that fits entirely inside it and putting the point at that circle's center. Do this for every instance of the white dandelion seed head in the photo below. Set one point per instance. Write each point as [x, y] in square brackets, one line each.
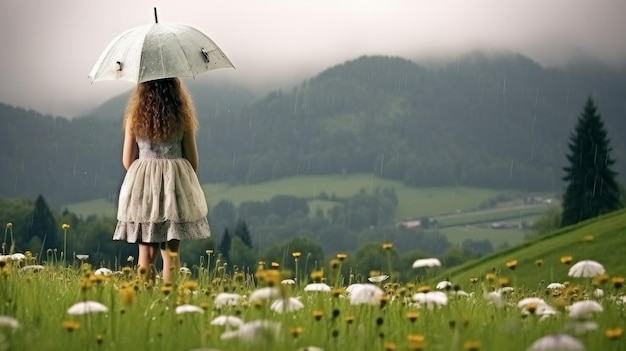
[426, 262]
[378, 278]
[583, 309]
[227, 321]
[87, 307]
[186, 308]
[265, 293]
[586, 269]
[317, 287]
[290, 304]
[553, 286]
[288, 281]
[103, 271]
[184, 270]
[557, 342]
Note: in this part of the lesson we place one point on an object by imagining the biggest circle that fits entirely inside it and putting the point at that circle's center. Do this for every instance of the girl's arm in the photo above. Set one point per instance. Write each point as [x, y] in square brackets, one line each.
[129, 154]
[190, 150]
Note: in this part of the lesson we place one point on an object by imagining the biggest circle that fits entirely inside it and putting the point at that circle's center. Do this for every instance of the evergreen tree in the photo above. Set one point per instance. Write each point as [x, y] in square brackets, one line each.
[591, 185]
[241, 231]
[225, 244]
[43, 228]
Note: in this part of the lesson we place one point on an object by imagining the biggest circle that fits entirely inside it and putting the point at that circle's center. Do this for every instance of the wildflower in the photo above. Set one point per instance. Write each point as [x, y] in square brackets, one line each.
[318, 314]
[227, 321]
[226, 299]
[389, 346]
[431, 299]
[265, 293]
[275, 265]
[209, 252]
[416, 342]
[473, 280]
[614, 333]
[471, 345]
[9, 225]
[128, 294]
[336, 292]
[557, 342]
[9, 322]
[190, 285]
[286, 305]
[427, 262]
[584, 309]
[70, 326]
[378, 278]
[288, 282]
[443, 285]
[86, 307]
[600, 279]
[334, 263]
[296, 255]
[186, 308]
[341, 256]
[383, 300]
[503, 281]
[126, 270]
[103, 271]
[99, 339]
[424, 289]
[130, 259]
[349, 319]
[317, 287]
[296, 331]
[490, 277]
[511, 264]
[539, 262]
[553, 286]
[82, 257]
[65, 226]
[317, 276]
[586, 269]
[184, 270]
[588, 238]
[618, 282]
[566, 259]
[387, 246]
[412, 316]
[254, 331]
[367, 294]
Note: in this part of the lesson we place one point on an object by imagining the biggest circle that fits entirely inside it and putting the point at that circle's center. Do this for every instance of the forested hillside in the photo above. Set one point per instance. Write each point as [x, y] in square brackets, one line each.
[490, 121]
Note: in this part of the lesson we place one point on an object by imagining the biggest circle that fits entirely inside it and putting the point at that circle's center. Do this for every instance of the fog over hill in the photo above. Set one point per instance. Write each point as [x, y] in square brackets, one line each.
[489, 120]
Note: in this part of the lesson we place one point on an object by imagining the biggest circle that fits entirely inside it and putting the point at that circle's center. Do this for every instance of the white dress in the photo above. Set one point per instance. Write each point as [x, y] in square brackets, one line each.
[161, 198]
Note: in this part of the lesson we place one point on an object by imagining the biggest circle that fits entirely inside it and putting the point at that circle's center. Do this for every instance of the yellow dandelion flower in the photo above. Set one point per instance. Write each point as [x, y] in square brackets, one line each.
[275, 265]
[618, 282]
[204, 305]
[387, 246]
[416, 342]
[190, 285]
[296, 254]
[65, 226]
[383, 300]
[389, 346]
[531, 307]
[70, 325]
[209, 252]
[334, 263]
[412, 316]
[166, 289]
[336, 292]
[239, 276]
[588, 238]
[503, 281]
[317, 275]
[600, 279]
[512, 264]
[349, 319]
[296, 331]
[424, 289]
[318, 314]
[128, 294]
[127, 270]
[473, 280]
[539, 262]
[614, 333]
[490, 277]
[341, 256]
[471, 345]
[566, 259]
[272, 277]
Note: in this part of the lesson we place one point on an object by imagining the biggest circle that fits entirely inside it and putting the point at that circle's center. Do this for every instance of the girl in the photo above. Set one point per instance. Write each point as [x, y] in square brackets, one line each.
[161, 201]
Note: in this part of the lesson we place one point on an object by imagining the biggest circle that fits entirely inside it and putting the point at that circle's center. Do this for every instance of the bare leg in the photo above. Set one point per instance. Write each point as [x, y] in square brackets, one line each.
[147, 260]
[171, 260]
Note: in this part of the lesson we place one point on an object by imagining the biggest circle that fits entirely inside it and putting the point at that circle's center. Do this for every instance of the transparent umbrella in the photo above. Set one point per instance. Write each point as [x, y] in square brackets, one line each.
[158, 50]
[586, 269]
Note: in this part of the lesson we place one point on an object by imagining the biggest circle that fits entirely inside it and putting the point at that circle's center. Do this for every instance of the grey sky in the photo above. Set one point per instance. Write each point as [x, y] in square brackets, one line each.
[49, 46]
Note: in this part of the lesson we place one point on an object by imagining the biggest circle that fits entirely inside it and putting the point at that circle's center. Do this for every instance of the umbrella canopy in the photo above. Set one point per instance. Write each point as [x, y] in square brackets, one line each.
[159, 50]
[586, 269]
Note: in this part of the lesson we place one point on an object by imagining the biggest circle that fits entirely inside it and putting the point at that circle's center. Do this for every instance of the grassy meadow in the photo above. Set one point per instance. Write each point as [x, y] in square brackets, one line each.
[500, 302]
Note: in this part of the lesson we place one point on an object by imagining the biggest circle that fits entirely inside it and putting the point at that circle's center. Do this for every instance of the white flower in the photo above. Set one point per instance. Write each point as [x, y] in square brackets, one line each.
[598, 293]
[188, 309]
[227, 321]
[378, 278]
[17, 257]
[310, 348]
[184, 270]
[286, 305]
[557, 342]
[431, 299]
[317, 287]
[9, 322]
[461, 293]
[256, 331]
[531, 300]
[583, 309]
[288, 281]
[586, 269]
[32, 268]
[103, 271]
[427, 262]
[495, 298]
[265, 293]
[506, 290]
[87, 307]
[444, 284]
[365, 294]
[228, 299]
[555, 286]
[82, 257]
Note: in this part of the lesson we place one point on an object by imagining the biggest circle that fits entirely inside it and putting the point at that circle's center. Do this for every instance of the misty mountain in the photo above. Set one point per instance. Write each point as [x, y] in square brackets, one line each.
[492, 121]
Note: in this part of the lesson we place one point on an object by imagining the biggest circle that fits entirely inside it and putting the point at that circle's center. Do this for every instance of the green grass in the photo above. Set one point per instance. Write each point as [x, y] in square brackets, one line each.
[608, 240]
[413, 202]
[497, 237]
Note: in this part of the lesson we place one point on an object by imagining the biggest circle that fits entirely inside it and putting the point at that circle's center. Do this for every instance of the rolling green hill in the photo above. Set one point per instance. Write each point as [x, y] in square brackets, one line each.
[601, 239]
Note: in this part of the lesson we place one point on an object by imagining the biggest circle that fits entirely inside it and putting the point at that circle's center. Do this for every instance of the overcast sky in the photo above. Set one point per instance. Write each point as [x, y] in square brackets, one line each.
[48, 47]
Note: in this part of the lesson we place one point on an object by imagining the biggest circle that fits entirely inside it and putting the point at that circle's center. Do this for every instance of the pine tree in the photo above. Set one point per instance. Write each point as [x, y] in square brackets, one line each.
[241, 230]
[225, 244]
[43, 226]
[591, 185]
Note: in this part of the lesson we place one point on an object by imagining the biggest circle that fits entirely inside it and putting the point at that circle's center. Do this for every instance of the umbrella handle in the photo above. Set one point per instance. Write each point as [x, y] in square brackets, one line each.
[156, 18]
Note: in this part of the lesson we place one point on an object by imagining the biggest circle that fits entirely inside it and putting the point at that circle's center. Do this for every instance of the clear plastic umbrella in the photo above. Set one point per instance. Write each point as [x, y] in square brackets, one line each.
[159, 50]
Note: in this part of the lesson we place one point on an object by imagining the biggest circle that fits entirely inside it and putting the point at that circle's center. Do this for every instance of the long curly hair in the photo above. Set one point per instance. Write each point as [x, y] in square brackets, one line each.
[159, 110]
